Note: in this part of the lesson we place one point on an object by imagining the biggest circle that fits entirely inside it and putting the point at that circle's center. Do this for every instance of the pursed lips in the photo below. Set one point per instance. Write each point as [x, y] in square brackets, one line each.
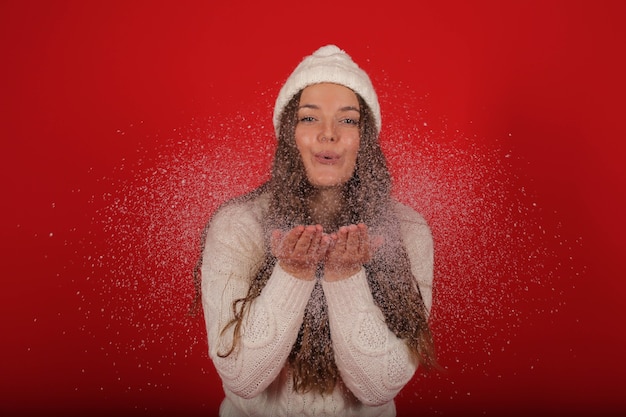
[327, 157]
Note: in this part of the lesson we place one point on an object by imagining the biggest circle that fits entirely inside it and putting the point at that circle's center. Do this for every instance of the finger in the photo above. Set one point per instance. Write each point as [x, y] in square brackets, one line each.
[316, 241]
[363, 239]
[305, 240]
[324, 246]
[342, 236]
[353, 240]
[290, 240]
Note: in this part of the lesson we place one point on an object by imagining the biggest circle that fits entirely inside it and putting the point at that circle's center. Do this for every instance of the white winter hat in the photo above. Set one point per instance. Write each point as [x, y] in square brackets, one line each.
[332, 65]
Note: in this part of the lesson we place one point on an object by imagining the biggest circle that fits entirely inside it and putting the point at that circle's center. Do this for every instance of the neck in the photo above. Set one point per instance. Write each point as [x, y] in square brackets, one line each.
[325, 205]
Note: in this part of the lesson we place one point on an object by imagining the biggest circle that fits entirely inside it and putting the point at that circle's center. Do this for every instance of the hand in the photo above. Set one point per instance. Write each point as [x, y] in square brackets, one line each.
[300, 249]
[350, 249]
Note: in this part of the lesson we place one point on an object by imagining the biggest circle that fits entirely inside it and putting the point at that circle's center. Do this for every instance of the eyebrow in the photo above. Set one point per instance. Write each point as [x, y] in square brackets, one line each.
[316, 107]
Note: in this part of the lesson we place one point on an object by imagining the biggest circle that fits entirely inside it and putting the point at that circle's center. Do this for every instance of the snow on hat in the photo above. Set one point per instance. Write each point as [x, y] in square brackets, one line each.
[332, 65]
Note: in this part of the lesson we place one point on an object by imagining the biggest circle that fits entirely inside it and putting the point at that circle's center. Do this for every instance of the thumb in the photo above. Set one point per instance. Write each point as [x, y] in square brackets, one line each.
[376, 242]
[275, 240]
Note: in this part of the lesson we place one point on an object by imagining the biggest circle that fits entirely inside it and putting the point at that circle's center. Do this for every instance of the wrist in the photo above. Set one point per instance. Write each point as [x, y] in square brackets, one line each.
[298, 271]
[338, 273]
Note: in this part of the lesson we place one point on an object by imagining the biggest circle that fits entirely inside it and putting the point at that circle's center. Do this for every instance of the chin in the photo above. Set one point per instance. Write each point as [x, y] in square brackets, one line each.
[328, 183]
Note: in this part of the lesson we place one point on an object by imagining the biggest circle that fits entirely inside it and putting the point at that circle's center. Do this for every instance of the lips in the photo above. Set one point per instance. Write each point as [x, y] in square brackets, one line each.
[327, 157]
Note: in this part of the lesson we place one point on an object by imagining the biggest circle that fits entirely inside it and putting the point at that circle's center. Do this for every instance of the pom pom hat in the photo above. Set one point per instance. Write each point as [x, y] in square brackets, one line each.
[329, 64]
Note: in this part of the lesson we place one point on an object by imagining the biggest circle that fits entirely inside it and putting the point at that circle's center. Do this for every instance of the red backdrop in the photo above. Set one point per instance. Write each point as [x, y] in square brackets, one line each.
[125, 124]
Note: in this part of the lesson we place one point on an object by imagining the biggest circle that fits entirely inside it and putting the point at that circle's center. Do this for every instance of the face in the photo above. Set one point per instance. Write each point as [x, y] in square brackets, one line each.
[327, 133]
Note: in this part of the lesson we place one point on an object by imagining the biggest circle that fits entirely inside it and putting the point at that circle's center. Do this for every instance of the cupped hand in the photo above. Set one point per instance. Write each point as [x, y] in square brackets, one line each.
[300, 250]
[351, 247]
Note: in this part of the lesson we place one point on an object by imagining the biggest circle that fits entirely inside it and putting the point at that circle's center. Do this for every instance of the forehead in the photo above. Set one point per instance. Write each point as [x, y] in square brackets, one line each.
[329, 93]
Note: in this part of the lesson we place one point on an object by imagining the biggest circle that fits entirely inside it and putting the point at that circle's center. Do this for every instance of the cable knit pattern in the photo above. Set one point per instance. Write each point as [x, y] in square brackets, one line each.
[359, 359]
[374, 364]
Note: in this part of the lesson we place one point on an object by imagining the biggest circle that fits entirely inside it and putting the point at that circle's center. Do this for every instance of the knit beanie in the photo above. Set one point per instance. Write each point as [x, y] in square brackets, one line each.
[332, 65]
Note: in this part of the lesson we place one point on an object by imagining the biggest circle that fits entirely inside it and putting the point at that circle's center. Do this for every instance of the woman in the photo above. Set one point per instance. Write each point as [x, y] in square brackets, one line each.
[316, 286]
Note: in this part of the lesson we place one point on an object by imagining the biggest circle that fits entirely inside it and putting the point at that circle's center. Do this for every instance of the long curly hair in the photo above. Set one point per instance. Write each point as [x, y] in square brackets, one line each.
[366, 199]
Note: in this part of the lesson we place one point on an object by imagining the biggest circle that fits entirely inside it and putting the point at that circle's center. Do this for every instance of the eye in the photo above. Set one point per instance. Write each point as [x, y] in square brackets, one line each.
[306, 119]
[350, 121]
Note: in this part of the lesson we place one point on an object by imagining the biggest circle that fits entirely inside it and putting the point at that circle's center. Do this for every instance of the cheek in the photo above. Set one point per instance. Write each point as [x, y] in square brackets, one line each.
[300, 144]
[353, 150]
[302, 139]
[302, 148]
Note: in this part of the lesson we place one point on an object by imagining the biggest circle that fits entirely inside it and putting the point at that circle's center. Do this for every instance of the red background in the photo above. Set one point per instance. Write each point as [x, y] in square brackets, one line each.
[124, 124]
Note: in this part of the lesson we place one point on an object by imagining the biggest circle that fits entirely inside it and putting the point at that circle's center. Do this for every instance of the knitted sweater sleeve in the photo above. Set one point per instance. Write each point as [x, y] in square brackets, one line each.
[233, 253]
[375, 364]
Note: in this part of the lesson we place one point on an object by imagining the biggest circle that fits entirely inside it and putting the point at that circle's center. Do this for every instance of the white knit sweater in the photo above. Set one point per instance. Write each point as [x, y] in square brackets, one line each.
[373, 363]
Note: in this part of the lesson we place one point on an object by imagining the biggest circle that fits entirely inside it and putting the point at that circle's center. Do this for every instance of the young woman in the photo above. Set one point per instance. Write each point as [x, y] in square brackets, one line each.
[316, 287]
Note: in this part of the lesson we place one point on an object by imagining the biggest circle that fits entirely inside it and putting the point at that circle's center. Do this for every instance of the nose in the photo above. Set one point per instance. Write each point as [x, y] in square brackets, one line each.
[327, 132]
